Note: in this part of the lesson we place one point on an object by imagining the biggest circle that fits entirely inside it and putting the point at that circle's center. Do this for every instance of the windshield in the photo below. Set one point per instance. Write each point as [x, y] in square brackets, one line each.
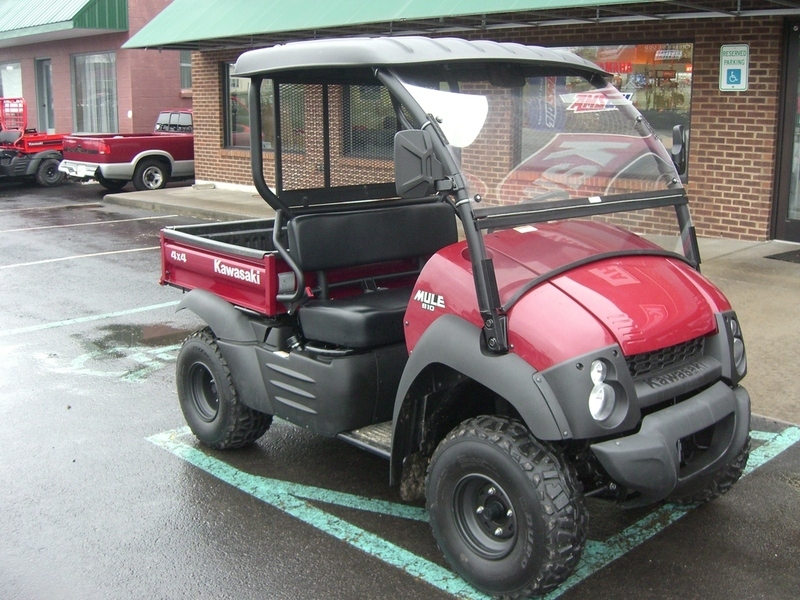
[541, 137]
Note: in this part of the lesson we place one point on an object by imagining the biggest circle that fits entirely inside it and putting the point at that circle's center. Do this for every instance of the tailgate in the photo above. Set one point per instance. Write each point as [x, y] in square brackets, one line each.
[244, 276]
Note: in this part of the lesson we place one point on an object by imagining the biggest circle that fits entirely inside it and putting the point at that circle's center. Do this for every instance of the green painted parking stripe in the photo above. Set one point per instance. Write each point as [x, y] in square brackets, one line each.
[294, 499]
[291, 498]
[775, 443]
[597, 555]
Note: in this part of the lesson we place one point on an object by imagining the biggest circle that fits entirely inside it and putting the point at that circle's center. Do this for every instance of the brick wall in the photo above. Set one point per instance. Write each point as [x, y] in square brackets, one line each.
[147, 80]
[212, 161]
[732, 157]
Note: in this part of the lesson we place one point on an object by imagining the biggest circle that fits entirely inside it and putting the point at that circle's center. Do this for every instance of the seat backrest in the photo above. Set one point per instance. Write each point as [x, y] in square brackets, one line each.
[318, 242]
[9, 136]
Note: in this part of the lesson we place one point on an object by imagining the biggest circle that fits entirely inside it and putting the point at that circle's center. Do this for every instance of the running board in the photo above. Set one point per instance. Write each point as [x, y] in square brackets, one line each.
[373, 438]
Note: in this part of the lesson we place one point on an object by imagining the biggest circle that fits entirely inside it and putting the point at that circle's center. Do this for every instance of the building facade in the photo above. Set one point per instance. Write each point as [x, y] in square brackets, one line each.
[744, 164]
[66, 59]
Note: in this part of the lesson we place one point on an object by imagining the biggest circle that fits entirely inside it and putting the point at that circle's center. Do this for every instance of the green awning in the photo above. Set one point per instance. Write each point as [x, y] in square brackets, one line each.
[209, 24]
[36, 21]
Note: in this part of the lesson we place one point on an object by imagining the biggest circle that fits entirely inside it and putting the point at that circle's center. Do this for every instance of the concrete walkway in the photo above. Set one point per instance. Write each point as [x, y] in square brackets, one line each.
[764, 292]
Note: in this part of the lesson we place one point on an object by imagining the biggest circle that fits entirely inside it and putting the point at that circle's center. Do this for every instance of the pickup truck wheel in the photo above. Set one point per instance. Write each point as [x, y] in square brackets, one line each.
[150, 174]
[47, 174]
[718, 482]
[209, 399]
[112, 185]
[506, 510]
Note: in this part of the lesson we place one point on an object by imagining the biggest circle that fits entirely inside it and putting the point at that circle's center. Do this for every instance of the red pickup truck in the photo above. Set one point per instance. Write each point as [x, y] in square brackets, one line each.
[150, 160]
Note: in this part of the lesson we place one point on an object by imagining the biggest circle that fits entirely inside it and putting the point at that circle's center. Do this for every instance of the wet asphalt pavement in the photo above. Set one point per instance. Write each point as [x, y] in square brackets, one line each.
[103, 494]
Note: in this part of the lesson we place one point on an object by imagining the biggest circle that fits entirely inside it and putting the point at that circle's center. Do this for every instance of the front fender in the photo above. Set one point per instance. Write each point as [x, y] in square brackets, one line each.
[237, 342]
[456, 343]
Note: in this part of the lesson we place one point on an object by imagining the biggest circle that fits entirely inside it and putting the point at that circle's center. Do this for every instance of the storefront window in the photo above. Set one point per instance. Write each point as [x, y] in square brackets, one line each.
[237, 111]
[369, 122]
[657, 78]
[10, 80]
[94, 78]
[186, 69]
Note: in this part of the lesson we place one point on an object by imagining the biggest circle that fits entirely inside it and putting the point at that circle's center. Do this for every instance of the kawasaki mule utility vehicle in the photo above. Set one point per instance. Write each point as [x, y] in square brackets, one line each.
[27, 153]
[452, 282]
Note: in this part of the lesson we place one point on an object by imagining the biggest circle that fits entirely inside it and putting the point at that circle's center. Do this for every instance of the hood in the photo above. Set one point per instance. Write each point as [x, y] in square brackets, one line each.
[643, 303]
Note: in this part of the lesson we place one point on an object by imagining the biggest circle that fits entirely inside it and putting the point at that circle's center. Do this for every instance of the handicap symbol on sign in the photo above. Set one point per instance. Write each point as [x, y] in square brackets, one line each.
[734, 76]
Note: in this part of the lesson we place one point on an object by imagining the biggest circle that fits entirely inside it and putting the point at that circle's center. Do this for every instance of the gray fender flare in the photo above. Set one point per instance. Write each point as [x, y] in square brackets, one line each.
[47, 154]
[228, 323]
[237, 342]
[35, 160]
[456, 343]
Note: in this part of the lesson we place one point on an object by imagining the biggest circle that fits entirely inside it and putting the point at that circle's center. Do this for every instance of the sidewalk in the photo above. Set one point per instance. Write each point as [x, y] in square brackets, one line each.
[205, 202]
[764, 292]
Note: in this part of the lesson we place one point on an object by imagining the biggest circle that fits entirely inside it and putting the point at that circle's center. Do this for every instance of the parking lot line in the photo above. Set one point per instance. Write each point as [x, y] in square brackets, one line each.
[281, 495]
[51, 207]
[292, 499]
[76, 256]
[87, 319]
[42, 227]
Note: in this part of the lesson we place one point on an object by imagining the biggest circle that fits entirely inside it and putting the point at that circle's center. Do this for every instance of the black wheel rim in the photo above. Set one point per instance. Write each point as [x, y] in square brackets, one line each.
[203, 392]
[485, 516]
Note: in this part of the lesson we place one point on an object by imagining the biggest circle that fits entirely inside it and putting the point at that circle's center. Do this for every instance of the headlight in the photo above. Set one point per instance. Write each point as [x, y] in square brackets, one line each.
[602, 399]
[598, 372]
[739, 354]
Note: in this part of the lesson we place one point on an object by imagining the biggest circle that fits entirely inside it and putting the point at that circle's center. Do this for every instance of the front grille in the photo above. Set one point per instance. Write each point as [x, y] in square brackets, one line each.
[652, 362]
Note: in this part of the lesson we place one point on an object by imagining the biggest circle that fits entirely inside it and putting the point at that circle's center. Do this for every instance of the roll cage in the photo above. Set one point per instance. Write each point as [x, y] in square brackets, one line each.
[374, 61]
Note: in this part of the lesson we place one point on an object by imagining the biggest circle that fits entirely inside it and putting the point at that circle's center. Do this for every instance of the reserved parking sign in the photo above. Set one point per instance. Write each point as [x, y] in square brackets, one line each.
[734, 65]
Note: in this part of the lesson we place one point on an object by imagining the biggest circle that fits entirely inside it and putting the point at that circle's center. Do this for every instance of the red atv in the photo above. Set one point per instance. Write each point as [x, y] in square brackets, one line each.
[26, 152]
[542, 354]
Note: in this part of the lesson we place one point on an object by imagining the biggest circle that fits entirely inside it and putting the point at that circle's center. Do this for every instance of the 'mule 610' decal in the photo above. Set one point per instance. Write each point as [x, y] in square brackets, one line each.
[429, 300]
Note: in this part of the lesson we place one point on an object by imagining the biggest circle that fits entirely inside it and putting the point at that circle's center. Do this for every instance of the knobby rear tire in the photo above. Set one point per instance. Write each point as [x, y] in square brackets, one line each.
[208, 397]
[47, 173]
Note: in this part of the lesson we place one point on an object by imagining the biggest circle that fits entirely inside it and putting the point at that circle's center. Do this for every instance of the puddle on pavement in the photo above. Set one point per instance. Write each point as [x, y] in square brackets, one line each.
[130, 336]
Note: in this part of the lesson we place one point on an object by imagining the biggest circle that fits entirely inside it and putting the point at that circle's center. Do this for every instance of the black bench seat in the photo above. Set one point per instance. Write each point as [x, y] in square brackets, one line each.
[363, 321]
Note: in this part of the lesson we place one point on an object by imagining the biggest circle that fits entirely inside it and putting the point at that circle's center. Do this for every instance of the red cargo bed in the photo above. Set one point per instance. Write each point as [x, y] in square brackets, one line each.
[234, 260]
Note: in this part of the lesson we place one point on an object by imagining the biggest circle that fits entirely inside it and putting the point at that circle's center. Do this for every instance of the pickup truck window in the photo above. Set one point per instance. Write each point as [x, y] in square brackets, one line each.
[176, 122]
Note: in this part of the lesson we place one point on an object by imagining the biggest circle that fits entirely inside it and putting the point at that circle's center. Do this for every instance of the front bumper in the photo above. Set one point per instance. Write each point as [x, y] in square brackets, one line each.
[649, 462]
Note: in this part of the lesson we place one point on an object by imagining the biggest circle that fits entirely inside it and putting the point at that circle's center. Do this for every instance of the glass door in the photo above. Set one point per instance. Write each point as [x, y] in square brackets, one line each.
[786, 217]
[44, 95]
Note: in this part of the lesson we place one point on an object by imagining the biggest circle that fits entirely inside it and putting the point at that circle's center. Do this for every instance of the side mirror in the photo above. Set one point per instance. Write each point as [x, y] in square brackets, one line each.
[416, 168]
[679, 139]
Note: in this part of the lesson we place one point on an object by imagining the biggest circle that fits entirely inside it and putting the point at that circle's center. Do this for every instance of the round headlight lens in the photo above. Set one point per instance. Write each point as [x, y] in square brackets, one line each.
[735, 328]
[739, 356]
[598, 372]
[602, 401]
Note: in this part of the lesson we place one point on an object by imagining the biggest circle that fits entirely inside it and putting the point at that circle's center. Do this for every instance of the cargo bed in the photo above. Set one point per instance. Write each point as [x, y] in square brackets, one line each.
[235, 260]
